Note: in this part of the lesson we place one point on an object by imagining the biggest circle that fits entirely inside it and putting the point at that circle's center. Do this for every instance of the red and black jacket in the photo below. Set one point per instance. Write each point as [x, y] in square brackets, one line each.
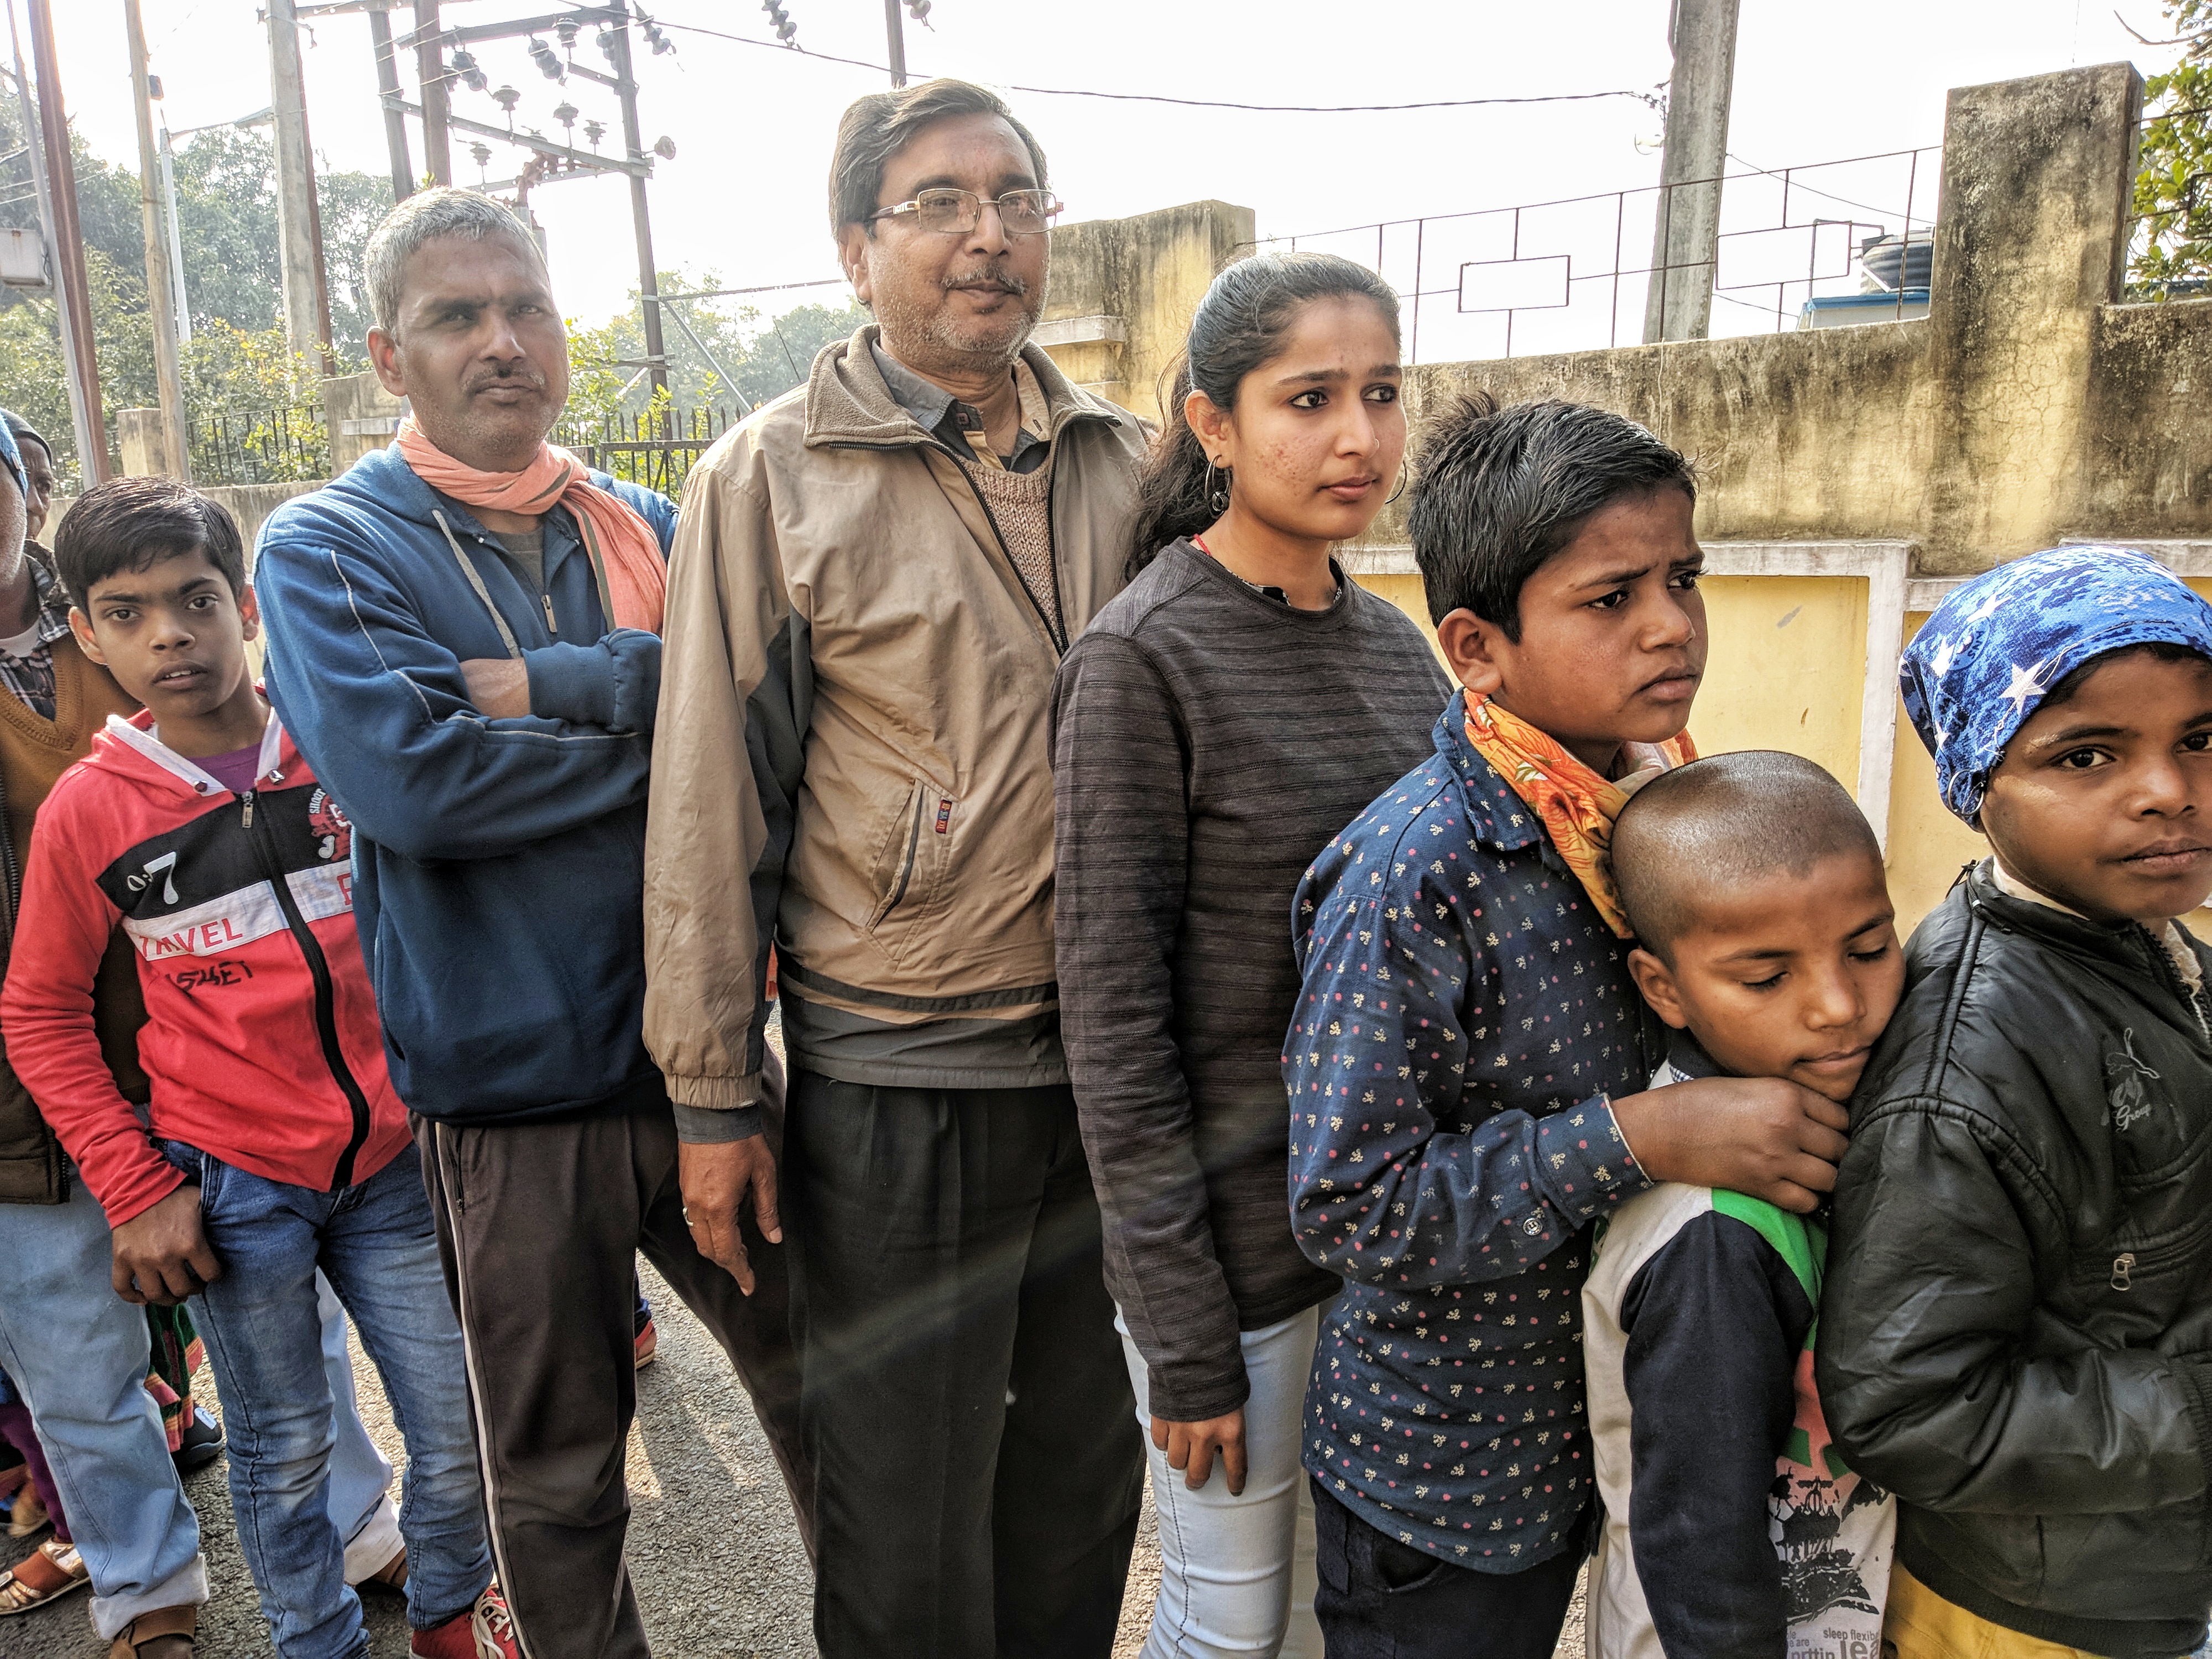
[261, 1038]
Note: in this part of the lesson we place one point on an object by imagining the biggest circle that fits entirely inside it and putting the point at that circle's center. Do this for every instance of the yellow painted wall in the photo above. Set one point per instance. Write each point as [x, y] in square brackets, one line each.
[1784, 671]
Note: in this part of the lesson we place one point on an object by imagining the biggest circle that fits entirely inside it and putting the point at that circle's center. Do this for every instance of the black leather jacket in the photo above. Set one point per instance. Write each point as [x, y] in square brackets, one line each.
[2017, 1325]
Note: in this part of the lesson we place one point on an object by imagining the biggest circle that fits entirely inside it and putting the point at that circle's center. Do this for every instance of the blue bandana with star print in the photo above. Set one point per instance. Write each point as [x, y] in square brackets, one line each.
[1996, 645]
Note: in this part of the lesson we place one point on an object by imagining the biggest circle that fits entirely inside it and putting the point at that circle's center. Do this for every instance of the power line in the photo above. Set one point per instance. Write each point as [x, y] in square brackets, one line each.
[1649, 98]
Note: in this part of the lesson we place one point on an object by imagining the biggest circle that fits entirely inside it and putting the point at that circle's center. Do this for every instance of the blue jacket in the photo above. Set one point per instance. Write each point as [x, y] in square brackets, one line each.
[499, 863]
[1465, 1016]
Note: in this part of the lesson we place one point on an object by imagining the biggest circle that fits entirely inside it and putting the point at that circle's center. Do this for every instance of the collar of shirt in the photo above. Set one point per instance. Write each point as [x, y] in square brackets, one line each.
[53, 606]
[1496, 814]
[960, 426]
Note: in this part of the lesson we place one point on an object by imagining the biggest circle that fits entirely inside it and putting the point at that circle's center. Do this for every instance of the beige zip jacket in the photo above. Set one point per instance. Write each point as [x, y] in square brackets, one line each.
[851, 759]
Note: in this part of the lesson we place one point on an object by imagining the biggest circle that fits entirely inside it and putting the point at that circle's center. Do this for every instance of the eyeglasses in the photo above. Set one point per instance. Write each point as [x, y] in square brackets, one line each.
[956, 212]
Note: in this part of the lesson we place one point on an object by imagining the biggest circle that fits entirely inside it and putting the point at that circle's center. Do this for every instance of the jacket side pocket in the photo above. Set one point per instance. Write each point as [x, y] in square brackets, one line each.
[894, 867]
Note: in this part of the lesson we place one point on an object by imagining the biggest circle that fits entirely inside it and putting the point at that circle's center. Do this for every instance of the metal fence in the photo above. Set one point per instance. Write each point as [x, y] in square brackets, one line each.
[1796, 244]
[657, 448]
[263, 446]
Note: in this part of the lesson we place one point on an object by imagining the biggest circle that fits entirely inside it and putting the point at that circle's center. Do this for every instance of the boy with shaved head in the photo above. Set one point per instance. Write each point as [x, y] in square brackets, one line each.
[1766, 942]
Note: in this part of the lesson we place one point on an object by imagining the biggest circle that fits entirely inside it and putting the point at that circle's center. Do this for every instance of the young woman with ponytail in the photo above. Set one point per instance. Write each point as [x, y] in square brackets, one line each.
[1239, 703]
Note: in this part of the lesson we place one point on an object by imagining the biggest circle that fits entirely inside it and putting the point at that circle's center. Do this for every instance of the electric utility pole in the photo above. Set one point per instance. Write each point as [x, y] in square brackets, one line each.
[68, 240]
[1686, 241]
[171, 384]
[430, 71]
[299, 221]
[895, 29]
[648, 277]
[388, 86]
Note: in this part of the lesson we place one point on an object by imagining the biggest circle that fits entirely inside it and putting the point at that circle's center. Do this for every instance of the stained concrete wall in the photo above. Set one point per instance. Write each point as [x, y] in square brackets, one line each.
[250, 504]
[2028, 407]
[1147, 275]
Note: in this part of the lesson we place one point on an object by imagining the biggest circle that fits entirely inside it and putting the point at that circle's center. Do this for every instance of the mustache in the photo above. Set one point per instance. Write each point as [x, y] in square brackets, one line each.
[990, 277]
[507, 376]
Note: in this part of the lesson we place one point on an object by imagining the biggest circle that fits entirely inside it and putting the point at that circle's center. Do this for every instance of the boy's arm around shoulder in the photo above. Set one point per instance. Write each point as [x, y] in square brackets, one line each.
[1377, 1057]
[1924, 1362]
[734, 694]
[382, 710]
[46, 1011]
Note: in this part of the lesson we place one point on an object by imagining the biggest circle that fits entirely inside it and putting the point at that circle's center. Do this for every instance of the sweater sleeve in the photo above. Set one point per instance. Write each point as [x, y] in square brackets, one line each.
[1715, 1323]
[1122, 854]
[47, 1010]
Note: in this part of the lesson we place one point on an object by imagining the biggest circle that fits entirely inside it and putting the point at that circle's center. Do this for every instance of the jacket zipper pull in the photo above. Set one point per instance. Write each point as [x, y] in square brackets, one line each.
[551, 627]
[247, 820]
[2123, 1268]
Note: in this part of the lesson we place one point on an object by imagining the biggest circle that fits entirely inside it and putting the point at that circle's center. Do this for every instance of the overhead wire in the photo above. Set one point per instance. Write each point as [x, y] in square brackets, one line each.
[1651, 98]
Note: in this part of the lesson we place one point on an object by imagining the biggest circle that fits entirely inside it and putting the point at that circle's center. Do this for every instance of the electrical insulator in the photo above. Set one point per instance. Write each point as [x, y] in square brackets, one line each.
[920, 11]
[463, 63]
[568, 28]
[594, 131]
[549, 63]
[607, 45]
[785, 28]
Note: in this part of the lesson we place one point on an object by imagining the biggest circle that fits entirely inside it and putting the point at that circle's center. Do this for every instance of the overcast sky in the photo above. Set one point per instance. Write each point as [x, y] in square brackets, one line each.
[743, 198]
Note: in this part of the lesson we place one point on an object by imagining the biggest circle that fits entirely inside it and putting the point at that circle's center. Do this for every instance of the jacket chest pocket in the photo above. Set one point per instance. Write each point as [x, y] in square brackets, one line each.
[909, 865]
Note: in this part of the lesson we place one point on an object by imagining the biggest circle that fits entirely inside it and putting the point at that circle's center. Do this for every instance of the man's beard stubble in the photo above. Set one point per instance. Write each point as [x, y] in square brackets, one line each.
[994, 342]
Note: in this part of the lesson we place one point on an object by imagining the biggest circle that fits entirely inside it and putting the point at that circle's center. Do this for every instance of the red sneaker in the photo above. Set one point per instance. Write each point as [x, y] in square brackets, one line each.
[494, 1625]
[647, 1344]
[484, 1631]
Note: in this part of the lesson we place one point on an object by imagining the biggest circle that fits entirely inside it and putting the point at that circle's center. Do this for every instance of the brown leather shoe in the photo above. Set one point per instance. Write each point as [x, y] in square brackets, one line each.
[164, 1633]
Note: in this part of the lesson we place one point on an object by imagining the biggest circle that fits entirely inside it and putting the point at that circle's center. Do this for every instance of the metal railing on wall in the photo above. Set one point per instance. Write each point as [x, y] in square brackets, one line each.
[1575, 274]
[657, 448]
[287, 445]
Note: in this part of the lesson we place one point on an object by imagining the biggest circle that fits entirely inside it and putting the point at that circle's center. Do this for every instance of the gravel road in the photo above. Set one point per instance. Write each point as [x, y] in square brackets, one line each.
[719, 1570]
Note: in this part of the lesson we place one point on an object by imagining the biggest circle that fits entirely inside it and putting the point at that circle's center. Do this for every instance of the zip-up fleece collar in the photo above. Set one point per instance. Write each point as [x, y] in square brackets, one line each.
[130, 747]
[848, 403]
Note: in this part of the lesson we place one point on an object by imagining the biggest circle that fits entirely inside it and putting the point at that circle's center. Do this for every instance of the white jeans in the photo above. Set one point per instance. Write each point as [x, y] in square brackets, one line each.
[1237, 1574]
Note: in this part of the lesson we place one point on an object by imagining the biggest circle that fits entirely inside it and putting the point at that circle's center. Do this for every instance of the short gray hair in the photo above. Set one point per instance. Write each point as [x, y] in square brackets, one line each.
[423, 218]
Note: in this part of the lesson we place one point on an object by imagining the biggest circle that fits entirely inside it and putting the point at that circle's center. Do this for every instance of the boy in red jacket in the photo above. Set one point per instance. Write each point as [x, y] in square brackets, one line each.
[276, 1144]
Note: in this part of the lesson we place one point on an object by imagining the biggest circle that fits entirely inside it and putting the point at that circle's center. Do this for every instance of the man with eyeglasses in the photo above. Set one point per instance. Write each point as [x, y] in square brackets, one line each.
[873, 581]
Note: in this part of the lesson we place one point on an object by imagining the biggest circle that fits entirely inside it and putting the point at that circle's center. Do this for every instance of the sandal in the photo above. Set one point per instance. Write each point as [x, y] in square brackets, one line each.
[51, 1572]
[164, 1633]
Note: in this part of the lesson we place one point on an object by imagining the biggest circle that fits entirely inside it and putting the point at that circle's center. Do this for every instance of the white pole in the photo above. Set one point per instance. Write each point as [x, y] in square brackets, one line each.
[178, 301]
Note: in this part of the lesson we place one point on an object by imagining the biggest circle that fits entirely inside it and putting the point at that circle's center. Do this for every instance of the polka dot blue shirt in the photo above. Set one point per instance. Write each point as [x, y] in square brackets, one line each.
[1465, 1017]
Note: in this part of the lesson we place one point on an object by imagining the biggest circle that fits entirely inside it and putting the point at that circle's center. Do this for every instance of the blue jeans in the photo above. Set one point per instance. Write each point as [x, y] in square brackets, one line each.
[373, 1242]
[77, 1354]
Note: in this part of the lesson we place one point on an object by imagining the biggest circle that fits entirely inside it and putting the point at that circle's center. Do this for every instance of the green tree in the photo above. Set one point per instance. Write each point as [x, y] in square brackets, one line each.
[2173, 199]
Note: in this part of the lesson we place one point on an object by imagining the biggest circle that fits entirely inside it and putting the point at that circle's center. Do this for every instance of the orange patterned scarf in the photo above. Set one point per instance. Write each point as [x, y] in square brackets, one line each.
[625, 552]
[1577, 807]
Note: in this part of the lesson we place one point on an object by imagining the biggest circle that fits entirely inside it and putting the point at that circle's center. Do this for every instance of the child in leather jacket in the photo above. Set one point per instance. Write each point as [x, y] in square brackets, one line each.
[2017, 1319]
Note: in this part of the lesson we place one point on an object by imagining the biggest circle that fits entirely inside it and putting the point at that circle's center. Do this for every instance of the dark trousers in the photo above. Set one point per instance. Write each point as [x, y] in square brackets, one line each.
[965, 1403]
[1380, 1599]
[539, 1226]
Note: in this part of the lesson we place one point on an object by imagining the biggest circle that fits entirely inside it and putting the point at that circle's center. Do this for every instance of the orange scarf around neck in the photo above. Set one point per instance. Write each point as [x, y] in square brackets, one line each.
[623, 549]
[1576, 805]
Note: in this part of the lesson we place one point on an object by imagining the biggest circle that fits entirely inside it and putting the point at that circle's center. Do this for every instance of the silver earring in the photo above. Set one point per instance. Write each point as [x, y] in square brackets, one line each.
[1216, 495]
